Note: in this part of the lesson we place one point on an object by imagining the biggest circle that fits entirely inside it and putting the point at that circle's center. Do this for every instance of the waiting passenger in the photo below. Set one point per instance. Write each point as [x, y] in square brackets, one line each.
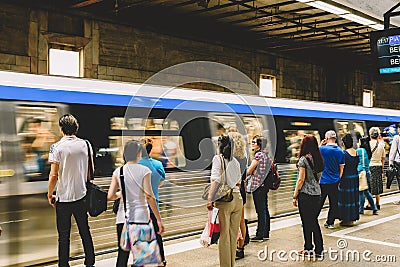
[348, 188]
[363, 165]
[229, 212]
[376, 165]
[308, 194]
[239, 152]
[333, 169]
[139, 195]
[394, 157]
[157, 180]
[69, 168]
[259, 169]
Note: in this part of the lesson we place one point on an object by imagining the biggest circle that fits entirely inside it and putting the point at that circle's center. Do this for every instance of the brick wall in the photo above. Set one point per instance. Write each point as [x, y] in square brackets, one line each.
[124, 53]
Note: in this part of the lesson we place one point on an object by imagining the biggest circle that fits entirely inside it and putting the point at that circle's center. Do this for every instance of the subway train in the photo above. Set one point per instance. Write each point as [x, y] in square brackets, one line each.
[183, 124]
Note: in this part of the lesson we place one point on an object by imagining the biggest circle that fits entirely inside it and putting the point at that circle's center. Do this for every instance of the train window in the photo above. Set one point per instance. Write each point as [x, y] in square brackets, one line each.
[120, 123]
[358, 126]
[167, 149]
[342, 128]
[37, 127]
[293, 139]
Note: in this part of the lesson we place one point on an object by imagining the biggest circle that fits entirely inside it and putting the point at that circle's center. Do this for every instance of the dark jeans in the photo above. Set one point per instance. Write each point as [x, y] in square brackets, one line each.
[331, 191]
[159, 237]
[260, 198]
[309, 207]
[64, 211]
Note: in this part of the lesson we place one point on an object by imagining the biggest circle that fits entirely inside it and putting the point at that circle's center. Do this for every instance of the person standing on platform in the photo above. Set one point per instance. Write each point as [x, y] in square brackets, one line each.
[69, 167]
[333, 169]
[139, 195]
[157, 180]
[259, 169]
[348, 187]
[394, 157]
[363, 165]
[376, 165]
[239, 152]
[224, 164]
[308, 194]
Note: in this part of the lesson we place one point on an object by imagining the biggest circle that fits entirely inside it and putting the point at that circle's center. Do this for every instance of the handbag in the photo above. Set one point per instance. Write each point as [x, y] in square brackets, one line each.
[139, 238]
[362, 175]
[223, 193]
[96, 197]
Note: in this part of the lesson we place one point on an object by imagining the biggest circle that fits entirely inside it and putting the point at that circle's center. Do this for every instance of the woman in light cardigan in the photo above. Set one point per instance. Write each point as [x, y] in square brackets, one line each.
[229, 212]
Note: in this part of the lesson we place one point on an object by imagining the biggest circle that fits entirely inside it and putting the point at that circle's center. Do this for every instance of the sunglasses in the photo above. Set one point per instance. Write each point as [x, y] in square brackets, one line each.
[254, 142]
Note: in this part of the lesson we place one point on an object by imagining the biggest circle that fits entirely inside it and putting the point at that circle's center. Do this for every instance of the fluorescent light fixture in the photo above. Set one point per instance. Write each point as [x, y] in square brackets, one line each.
[304, 1]
[328, 7]
[358, 19]
[377, 26]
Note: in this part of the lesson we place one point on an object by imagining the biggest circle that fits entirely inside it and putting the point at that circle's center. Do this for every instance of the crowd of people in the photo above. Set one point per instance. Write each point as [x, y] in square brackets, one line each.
[324, 171]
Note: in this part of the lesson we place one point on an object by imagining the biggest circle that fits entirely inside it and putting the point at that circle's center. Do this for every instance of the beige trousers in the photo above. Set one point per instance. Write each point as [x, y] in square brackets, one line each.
[229, 219]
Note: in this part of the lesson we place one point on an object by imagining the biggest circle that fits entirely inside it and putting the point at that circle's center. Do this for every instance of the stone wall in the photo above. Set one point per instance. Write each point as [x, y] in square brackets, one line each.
[124, 53]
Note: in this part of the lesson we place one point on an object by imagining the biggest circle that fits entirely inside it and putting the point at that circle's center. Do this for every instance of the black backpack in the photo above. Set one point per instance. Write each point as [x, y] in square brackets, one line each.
[273, 177]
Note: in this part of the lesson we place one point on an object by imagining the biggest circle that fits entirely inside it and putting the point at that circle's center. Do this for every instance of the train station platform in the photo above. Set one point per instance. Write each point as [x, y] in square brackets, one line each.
[373, 240]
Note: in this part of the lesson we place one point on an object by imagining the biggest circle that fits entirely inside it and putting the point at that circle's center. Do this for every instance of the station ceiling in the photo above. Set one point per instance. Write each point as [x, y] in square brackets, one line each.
[270, 25]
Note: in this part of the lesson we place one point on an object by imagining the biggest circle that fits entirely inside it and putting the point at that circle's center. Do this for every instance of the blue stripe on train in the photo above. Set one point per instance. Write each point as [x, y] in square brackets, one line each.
[71, 97]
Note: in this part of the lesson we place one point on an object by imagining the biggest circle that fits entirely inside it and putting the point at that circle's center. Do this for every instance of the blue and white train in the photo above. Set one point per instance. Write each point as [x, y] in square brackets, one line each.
[183, 124]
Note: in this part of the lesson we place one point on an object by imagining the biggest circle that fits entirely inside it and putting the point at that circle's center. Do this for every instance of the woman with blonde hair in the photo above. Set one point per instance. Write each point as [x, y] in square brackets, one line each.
[239, 152]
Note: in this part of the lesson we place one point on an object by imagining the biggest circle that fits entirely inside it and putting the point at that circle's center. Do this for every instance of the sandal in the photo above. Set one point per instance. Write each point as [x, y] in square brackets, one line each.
[163, 264]
[239, 253]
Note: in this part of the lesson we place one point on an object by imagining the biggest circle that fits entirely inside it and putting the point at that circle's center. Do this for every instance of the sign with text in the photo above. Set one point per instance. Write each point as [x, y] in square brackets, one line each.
[385, 46]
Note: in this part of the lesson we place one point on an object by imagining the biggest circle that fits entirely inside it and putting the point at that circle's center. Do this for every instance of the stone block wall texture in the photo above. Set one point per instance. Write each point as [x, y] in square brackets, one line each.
[124, 53]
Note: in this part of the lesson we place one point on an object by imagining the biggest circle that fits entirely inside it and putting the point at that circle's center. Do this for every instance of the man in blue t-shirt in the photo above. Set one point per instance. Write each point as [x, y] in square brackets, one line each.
[157, 178]
[330, 178]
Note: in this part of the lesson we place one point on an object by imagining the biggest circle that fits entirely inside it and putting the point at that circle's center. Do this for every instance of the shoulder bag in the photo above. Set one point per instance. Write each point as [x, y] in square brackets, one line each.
[139, 238]
[96, 197]
[317, 178]
[223, 192]
[362, 175]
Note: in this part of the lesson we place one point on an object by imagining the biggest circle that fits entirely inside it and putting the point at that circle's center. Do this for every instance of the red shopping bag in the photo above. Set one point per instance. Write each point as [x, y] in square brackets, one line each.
[210, 233]
[214, 226]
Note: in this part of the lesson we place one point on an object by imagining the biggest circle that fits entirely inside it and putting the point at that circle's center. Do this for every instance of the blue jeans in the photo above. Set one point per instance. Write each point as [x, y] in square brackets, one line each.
[260, 198]
[64, 212]
[366, 193]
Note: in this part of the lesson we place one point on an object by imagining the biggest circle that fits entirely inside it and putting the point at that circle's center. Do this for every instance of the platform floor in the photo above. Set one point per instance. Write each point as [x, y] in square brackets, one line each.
[373, 241]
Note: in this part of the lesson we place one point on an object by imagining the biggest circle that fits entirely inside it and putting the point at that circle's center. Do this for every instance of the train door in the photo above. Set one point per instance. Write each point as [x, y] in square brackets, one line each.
[354, 128]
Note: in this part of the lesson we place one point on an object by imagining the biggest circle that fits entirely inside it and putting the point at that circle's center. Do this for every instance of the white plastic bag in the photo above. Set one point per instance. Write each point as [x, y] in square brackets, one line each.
[205, 238]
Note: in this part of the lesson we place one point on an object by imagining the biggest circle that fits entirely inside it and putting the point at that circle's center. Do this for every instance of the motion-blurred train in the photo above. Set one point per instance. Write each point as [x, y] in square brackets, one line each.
[183, 124]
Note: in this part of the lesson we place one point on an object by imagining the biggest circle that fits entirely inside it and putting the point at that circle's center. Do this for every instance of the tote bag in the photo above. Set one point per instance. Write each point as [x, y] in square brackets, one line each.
[362, 176]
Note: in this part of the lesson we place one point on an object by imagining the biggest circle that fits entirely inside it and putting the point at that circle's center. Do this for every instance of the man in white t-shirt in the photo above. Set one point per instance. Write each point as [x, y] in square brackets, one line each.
[69, 167]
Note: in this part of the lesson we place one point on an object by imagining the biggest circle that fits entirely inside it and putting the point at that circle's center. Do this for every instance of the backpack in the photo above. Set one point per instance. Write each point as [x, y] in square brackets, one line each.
[365, 144]
[273, 177]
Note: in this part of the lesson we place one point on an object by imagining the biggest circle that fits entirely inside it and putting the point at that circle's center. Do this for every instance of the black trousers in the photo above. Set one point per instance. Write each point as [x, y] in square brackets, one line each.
[64, 212]
[260, 198]
[309, 207]
[331, 191]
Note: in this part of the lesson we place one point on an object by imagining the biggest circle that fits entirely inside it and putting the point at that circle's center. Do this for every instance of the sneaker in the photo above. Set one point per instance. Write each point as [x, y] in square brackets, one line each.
[266, 237]
[396, 202]
[329, 226]
[256, 239]
[375, 212]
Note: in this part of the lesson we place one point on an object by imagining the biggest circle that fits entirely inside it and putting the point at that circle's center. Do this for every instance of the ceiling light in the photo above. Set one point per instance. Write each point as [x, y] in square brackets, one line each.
[377, 26]
[358, 19]
[304, 1]
[328, 7]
